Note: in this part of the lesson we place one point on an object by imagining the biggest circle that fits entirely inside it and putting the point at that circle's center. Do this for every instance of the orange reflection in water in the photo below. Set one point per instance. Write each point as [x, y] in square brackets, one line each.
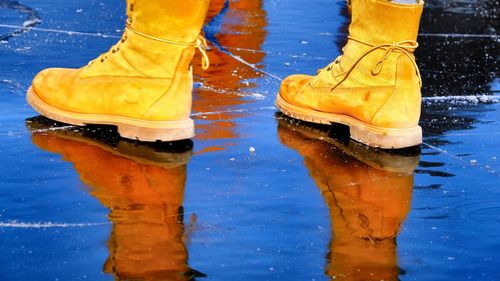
[242, 26]
[368, 194]
[144, 198]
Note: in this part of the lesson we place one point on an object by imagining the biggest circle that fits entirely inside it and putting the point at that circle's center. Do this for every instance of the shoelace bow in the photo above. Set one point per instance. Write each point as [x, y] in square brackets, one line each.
[406, 47]
[200, 44]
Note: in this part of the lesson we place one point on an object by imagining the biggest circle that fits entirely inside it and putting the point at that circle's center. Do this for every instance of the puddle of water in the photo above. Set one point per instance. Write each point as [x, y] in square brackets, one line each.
[254, 196]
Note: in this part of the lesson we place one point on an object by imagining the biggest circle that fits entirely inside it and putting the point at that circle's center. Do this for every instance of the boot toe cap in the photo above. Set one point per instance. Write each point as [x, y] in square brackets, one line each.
[43, 81]
[52, 84]
[292, 86]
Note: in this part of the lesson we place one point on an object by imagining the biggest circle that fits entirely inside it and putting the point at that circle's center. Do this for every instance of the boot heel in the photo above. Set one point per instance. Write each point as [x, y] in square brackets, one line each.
[385, 137]
[169, 131]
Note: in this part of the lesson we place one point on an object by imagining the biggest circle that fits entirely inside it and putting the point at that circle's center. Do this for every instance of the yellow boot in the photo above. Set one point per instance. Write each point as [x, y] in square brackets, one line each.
[142, 85]
[374, 87]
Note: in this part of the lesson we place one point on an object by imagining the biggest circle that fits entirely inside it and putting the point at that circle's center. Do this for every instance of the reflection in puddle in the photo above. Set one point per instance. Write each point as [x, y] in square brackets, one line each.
[368, 193]
[226, 83]
[143, 187]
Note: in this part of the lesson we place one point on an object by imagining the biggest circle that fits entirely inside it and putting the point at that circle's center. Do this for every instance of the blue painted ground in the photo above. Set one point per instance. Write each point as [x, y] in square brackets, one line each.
[262, 197]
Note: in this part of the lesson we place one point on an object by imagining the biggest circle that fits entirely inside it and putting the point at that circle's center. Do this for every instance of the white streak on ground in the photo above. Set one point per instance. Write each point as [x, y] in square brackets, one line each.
[469, 99]
[458, 35]
[449, 35]
[486, 168]
[67, 32]
[51, 129]
[251, 65]
[291, 55]
[471, 134]
[44, 225]
[233, 111]
[442, 151]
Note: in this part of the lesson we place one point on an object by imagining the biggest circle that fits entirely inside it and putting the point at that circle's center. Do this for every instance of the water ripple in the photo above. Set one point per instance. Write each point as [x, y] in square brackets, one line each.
[483, 211]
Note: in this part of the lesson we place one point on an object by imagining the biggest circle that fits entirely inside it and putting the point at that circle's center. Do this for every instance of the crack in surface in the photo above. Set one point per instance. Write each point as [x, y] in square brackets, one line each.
[32, 19]
[44, 225]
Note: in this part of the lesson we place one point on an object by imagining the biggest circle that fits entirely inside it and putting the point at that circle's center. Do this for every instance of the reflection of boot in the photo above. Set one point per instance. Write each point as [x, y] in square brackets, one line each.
[374, 87]
[142, 85]
[144, 196]
[243, 26]
[368, 193]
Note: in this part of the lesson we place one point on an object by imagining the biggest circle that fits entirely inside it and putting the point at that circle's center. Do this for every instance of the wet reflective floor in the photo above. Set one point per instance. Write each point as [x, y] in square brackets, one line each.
[256, 195]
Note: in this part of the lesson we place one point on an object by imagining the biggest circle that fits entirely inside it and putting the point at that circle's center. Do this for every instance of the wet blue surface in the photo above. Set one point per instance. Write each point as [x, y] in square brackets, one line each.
[265, 198]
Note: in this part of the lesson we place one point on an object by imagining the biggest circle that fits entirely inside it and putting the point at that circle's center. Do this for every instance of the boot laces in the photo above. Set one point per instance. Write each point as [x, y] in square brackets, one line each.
[405, 47]
[200, 43]
[115, 48]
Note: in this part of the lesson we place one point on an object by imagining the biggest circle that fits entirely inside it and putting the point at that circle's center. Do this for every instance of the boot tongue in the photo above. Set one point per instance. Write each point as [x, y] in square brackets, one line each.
[381, 22]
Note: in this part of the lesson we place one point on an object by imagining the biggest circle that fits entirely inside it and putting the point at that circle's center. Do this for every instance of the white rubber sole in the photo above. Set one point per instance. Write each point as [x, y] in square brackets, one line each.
[374, 136]
[130, 128]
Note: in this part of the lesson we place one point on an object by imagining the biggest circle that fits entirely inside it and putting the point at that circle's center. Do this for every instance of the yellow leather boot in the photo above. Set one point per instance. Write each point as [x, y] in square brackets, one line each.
[142, 84]
[374, 86]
